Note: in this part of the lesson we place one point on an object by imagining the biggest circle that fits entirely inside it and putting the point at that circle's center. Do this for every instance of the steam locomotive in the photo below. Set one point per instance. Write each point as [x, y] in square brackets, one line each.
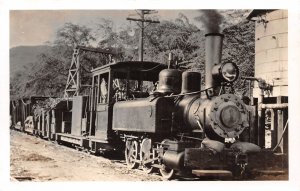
[178, 127]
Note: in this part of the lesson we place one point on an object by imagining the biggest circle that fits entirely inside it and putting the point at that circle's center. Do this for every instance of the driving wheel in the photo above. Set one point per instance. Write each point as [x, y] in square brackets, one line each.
[131, 154]
[146, 155]
[167, 173]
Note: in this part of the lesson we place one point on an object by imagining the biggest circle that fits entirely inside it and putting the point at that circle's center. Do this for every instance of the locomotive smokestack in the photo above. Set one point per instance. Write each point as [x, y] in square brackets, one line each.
[213, 55]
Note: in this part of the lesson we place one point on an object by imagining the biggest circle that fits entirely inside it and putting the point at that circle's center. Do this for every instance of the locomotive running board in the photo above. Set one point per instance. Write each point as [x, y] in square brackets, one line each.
[213, 173]
[77, 140]
[157, 166]
[98, 140]
[269, 172]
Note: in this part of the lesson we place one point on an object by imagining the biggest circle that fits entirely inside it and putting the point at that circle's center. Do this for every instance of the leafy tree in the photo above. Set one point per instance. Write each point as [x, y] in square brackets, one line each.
[48, 77]
[176, 37]
[119, 42]
[108, 37]
[72, 35]
[239, 47]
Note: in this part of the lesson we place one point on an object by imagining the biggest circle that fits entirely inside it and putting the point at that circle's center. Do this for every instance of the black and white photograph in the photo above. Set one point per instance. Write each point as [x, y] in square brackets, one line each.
[199, 96]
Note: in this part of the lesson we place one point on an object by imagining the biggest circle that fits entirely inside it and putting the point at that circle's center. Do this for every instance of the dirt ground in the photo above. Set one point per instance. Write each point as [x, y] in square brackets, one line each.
[35, 159]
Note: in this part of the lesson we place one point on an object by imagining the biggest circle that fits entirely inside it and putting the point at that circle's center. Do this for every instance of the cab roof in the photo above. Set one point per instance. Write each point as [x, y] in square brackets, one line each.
[135, 70]
[142, 66]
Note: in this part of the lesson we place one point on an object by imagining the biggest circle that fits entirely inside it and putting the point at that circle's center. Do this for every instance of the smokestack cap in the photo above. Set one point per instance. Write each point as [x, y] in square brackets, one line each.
[214, 34]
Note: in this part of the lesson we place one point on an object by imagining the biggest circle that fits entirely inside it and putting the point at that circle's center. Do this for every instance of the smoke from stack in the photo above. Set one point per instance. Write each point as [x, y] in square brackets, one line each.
[211, 20]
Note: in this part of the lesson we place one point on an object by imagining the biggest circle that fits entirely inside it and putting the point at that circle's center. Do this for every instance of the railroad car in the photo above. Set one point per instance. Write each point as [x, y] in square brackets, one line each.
[22, 114]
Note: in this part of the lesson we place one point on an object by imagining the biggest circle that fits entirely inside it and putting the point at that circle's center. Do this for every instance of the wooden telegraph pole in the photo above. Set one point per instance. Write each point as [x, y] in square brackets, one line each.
[141, 23]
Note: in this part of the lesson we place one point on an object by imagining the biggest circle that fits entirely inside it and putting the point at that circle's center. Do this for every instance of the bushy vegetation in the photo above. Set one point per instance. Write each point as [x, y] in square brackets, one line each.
[48, 76]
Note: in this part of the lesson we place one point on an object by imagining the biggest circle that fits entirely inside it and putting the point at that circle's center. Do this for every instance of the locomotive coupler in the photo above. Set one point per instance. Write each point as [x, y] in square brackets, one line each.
[241, 160]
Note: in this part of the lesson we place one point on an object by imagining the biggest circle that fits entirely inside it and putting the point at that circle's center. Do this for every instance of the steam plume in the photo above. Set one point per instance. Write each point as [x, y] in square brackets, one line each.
[211, 20]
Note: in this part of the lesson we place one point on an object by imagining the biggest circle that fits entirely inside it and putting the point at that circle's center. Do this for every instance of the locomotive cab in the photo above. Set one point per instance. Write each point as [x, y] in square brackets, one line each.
[113, 83]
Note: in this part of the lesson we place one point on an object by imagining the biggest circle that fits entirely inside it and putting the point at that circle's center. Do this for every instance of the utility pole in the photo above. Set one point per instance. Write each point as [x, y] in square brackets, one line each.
[141, 23]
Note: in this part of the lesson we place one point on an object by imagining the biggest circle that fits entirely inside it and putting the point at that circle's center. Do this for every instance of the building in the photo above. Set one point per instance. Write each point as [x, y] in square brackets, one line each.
[271, 50]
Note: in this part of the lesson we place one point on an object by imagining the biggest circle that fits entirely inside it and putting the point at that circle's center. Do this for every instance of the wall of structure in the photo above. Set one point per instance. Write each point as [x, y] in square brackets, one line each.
[271, 51]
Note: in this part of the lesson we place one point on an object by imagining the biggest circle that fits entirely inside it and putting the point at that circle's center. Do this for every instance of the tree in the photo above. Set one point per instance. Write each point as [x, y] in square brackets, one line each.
[239, 47]
[108, 37]
[48, 76]
[119, 42]
[72, 35]
[177, 37]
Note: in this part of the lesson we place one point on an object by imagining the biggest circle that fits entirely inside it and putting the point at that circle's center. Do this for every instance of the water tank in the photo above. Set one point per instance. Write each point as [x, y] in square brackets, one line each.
[271, 50]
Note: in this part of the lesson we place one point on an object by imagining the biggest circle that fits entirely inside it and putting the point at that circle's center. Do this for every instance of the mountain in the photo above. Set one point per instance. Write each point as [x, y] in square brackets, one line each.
[23, 56]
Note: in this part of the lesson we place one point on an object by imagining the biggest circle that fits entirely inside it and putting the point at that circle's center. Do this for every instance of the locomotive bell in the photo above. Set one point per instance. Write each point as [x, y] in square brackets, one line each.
[191, 82]
[169, 81]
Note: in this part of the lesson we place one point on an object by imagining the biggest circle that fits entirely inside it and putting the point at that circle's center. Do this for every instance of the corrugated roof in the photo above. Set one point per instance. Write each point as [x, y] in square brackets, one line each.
[256, 12]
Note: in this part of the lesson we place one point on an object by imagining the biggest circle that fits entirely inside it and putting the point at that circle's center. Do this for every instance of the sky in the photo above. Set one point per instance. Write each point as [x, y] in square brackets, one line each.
[35, 27]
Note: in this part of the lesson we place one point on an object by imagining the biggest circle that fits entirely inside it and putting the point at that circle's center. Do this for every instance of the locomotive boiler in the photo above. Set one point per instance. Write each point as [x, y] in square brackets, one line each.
[217, 113]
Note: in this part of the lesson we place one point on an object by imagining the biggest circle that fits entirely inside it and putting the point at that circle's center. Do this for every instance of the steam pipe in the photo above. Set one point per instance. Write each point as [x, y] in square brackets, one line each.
[261, 108]
[213, 55]
[261, 120]
[261, 117]
[170, 60]
[274, 106]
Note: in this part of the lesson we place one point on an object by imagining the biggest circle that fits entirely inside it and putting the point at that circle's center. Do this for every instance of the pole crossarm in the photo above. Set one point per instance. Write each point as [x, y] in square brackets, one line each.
[142, 20]
[96, 50]
[141, 23]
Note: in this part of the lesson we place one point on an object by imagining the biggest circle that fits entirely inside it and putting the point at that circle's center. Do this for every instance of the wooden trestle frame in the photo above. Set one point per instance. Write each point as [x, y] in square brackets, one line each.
[74, 77]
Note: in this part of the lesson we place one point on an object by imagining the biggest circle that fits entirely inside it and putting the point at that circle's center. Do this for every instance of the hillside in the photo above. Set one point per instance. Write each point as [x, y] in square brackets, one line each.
[23, 56]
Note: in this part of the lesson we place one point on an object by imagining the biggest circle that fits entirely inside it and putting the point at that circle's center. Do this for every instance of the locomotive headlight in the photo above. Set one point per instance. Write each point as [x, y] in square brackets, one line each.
[228, 72]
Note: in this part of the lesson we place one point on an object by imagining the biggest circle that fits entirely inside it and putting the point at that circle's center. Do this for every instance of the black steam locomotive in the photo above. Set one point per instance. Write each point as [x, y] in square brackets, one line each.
[178, 127]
